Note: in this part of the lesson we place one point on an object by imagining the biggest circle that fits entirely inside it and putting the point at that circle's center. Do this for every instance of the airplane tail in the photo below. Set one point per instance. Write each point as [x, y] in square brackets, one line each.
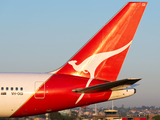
[102, 57]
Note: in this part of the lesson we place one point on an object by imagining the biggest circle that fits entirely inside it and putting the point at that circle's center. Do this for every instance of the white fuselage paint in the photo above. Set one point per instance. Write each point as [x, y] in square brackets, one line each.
[12, 100]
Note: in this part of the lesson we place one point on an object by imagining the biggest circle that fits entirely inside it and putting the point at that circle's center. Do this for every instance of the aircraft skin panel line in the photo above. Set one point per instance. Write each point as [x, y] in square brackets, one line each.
[88, 77]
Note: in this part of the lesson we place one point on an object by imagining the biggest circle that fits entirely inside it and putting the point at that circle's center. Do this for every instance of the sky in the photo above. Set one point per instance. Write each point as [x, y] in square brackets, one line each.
[41, 36]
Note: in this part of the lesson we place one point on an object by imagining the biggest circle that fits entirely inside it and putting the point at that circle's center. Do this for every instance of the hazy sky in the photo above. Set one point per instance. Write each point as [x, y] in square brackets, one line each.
[40, 36]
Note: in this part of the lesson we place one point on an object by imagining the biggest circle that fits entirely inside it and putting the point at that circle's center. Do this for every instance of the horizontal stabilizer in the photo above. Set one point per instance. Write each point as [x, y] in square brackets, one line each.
[116, 85]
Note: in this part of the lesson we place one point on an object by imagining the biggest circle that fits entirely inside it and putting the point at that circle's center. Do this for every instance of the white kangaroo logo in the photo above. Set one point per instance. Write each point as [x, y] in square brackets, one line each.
[91, 63]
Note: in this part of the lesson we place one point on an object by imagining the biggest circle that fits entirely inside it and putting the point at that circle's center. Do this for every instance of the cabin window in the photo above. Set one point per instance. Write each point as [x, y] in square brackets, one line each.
[11, 88]
[2, 88]
[16, 88]
[21, 88]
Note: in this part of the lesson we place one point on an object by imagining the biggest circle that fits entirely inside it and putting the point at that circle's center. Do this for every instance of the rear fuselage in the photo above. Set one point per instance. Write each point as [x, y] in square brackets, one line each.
[30, 94]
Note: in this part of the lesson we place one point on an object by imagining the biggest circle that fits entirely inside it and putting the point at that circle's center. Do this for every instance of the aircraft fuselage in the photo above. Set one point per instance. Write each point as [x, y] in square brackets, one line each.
[30, 94]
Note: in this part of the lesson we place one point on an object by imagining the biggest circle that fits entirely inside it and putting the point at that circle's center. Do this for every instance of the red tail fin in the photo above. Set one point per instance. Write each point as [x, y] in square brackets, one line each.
[103, 56]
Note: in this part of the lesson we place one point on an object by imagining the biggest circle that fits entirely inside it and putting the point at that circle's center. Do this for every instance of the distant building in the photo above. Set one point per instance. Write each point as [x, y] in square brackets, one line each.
[150, 117]
[109, 115]
[64, 112]
[113, 115]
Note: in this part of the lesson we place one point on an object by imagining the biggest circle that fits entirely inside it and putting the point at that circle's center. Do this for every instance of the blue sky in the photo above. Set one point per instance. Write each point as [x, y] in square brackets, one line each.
[40, 36]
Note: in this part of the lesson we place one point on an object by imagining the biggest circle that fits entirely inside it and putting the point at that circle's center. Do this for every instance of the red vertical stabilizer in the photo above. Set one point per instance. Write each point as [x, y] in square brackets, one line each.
[102, 57]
